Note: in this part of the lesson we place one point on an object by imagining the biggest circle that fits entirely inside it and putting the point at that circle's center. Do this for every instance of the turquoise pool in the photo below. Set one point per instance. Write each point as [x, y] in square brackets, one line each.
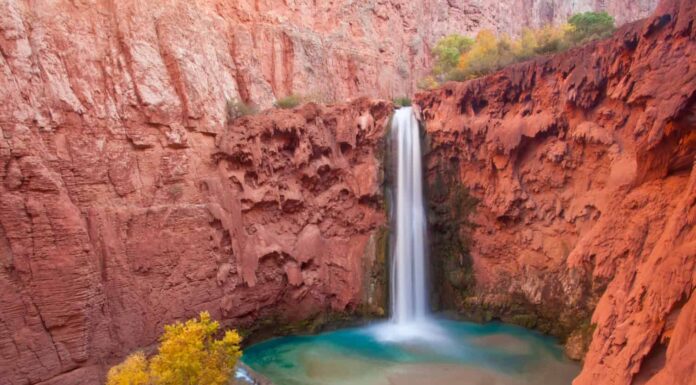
[438, 353]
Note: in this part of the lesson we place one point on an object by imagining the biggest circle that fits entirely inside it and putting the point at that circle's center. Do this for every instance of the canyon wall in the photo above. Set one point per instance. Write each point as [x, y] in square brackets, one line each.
[188, 57]
[127, 199]
[563, 197]
[109, 232]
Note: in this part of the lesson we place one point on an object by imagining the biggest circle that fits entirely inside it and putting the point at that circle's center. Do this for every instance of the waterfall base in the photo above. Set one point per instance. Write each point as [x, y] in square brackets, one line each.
[494, 354]
[425, 330]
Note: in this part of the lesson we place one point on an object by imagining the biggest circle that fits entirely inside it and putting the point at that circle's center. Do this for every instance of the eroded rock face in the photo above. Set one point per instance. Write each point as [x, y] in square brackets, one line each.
[575, 178]
[107, 233]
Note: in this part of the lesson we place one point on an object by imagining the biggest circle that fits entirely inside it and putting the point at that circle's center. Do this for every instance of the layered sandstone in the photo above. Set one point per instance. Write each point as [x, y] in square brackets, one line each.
[186, 58]
[575, 178]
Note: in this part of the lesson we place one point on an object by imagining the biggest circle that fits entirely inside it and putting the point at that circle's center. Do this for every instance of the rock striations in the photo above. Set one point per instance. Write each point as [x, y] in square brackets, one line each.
[183, 59]
[575, 178]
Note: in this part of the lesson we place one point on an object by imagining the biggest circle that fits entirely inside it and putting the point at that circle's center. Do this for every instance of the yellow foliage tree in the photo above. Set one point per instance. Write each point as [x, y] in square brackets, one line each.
[527, 44]
[188, 354]
[551, 39]
[132, 371]
[488, 53]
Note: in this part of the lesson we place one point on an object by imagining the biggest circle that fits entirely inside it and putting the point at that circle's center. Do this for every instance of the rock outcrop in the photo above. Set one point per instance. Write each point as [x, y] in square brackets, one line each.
[108, 232]
[563, 197]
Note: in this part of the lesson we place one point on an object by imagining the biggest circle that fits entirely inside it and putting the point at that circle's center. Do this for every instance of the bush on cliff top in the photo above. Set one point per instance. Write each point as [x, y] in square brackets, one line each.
[288, 102]
[188, 354]
[590, 26]
[236, 108]
[461, 58]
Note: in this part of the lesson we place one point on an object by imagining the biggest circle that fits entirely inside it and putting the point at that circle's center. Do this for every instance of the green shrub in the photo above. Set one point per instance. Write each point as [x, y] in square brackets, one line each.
[590, 26]
[447, 52]
[403, 101]
[236, 109]
[290, 101]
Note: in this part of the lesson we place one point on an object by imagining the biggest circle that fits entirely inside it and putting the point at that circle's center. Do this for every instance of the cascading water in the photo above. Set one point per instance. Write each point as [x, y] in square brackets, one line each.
[409, 296]
[408, 283]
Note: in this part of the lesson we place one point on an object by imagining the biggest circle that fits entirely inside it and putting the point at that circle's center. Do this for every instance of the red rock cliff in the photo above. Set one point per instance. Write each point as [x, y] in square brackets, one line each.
[108, 232]
[575, 176]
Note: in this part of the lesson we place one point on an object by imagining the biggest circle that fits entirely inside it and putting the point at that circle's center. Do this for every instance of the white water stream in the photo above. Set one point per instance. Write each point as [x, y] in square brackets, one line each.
[409, 288]
[408, 284]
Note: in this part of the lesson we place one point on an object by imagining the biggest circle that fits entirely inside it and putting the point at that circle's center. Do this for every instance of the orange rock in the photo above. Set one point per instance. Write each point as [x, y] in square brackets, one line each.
[584, 166]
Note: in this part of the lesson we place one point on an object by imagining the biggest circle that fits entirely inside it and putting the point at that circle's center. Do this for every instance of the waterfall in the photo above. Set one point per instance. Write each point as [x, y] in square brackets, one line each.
[410, 315]
[408, 271]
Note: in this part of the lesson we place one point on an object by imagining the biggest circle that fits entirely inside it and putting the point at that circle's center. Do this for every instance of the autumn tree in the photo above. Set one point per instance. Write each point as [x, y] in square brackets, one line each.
[132, 371]
[189, 354]
[488, 53]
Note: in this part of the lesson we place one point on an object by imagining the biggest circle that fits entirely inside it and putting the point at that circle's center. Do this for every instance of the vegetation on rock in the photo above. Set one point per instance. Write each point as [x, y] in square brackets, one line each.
[236, 108]
[403, 101]
[590, 26]
[288, 102]
[447, 52]
[450, 207]
[189, 354]
[460, 58]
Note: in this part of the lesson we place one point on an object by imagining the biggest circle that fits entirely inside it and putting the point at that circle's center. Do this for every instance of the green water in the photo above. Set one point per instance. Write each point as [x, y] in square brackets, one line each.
[448, 352]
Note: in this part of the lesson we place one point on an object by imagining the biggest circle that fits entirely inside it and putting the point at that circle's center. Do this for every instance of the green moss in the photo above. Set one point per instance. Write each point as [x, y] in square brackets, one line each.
[450, 206]
[403, 101]
[275, 325]
[525, 320]
[382, 255]
[380, 270]
[378, 276]
[555, 318]
[586, 330]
